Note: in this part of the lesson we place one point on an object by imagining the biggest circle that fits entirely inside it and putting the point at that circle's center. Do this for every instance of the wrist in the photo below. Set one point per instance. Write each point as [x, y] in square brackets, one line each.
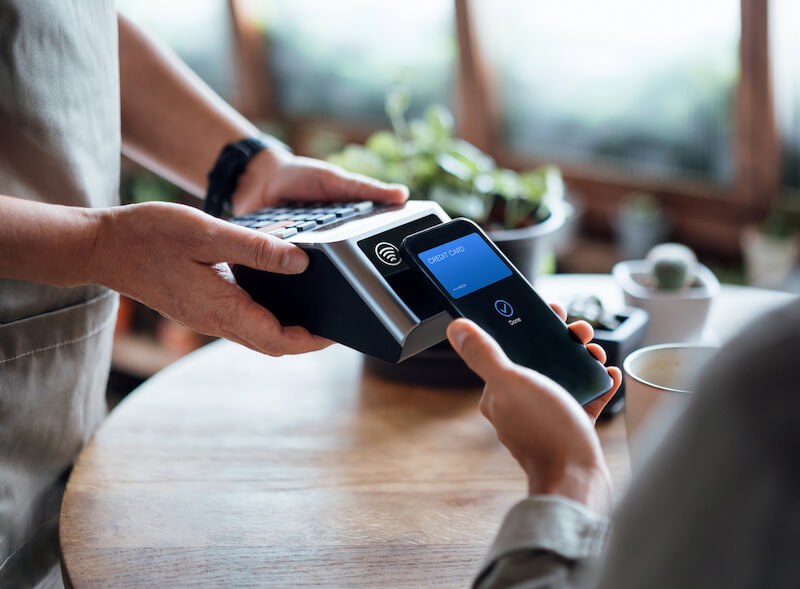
[101, 230]
[589, 485]
[253, 187]
[228, 172]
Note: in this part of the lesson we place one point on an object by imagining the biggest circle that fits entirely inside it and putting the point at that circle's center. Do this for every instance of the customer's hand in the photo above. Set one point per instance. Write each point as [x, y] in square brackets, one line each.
[546, 430]
[174, 259]
[273, 175]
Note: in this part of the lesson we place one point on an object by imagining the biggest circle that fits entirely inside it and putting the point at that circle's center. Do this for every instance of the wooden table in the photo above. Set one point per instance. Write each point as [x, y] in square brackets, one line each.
[234, 469]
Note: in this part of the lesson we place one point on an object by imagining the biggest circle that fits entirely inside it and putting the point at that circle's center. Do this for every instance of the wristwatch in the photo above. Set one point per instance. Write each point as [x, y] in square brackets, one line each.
[231, 163]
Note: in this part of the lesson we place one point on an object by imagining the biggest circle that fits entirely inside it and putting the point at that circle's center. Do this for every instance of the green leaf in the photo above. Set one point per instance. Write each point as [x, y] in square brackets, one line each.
[397, 172]
[422, 134]
[359, 159]
[467, 151]
[455, 167]
[440, 121]
[507, 183]
[397, 101]
[422, 171]
[533, 185]
[386, 145]
[458, 203]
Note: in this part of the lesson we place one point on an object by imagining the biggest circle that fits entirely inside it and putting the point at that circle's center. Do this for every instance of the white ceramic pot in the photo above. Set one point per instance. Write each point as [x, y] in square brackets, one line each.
[768, 260]
[674, 316]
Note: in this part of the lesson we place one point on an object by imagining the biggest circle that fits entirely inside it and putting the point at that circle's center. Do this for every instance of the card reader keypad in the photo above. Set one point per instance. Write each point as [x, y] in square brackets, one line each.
[291, 218]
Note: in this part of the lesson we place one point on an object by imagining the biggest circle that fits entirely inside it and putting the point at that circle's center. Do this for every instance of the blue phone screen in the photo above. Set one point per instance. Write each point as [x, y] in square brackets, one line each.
[465, 265]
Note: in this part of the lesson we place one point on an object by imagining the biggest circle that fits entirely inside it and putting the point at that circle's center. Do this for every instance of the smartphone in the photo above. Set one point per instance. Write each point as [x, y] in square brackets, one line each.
[478, 282]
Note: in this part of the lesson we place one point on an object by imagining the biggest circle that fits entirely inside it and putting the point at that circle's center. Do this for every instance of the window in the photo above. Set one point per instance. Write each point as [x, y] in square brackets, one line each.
[340, 59]
[643, 86]
[664, 97]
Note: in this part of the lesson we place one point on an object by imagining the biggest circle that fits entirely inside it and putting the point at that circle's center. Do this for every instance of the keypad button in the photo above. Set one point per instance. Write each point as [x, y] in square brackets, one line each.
[306, 225]
[360, 207]
[284, 233]
[322, 219]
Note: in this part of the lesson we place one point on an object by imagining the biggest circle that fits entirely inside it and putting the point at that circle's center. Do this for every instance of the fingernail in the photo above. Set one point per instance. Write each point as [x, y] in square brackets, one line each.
[401, 187]
[457, 336]
[294, 261]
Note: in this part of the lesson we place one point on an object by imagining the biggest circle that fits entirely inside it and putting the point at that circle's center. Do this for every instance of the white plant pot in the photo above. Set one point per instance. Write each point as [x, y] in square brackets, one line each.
[674, 316]
[768, 261]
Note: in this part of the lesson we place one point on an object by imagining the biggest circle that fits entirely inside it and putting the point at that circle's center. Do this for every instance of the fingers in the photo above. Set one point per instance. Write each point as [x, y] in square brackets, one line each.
[598, 352]
[560, 311]
[237, 245]
[257, 328]
[477, 348]
[596, 407]
[582, 331]
[345, 185]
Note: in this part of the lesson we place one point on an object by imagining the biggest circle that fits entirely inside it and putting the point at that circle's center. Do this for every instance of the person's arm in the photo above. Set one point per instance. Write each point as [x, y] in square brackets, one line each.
[170, 257]
[175, 125]
[546, 538]
[717, 503]
[174, 258]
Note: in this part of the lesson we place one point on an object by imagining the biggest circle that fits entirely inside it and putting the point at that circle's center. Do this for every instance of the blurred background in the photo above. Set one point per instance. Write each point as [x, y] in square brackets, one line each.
[675, 121]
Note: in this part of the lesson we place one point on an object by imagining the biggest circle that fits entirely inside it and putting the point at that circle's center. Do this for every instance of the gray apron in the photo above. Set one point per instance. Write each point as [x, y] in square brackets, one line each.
[59, 143]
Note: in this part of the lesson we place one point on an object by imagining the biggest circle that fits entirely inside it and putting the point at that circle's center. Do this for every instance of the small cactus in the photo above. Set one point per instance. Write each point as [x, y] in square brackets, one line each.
[672, 266]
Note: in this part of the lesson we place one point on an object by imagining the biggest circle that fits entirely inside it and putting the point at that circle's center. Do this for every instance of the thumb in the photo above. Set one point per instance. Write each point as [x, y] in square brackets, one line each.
[238, 245]
[477, 348]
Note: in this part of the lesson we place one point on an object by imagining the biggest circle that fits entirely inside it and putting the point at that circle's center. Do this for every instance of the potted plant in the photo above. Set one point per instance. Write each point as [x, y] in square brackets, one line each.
[674, 289]
[639, 225]
[618, 334]
[772, 250]
[521, 212]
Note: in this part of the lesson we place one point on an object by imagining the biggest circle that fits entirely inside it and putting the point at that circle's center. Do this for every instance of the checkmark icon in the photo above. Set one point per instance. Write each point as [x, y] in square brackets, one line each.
[504, 308]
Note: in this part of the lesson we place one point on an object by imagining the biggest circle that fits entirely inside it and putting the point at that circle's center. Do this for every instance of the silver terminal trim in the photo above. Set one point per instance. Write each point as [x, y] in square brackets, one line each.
[364, 277]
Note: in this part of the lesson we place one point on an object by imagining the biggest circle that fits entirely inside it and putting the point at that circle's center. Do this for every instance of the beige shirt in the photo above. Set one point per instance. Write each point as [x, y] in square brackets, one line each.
[59, 143]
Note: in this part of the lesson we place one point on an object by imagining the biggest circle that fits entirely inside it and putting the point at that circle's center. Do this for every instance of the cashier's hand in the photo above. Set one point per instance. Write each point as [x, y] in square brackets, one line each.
[274, 174]
[546, 430]
[174, 259]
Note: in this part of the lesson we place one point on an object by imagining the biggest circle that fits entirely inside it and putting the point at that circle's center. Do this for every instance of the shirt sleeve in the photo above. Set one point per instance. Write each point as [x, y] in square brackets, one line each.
[544, 541]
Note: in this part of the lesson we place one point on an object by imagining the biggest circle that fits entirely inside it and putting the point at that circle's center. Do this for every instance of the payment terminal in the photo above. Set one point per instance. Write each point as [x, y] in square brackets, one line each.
[357, 290]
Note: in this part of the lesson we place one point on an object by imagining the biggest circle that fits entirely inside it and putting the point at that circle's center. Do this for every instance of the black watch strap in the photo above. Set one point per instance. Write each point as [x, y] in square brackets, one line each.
[224, 177]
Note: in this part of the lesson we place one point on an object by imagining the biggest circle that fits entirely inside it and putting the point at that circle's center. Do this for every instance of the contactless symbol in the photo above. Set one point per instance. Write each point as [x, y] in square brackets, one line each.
[388, 253]
[503, 308]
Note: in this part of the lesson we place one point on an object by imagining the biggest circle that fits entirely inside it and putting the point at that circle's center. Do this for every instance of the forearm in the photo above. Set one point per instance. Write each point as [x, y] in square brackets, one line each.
[47, 243]
[172, 122]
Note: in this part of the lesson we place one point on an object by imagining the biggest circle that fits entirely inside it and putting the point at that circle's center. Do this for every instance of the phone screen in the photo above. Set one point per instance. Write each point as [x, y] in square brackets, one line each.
[480, 284]
[465, 265]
